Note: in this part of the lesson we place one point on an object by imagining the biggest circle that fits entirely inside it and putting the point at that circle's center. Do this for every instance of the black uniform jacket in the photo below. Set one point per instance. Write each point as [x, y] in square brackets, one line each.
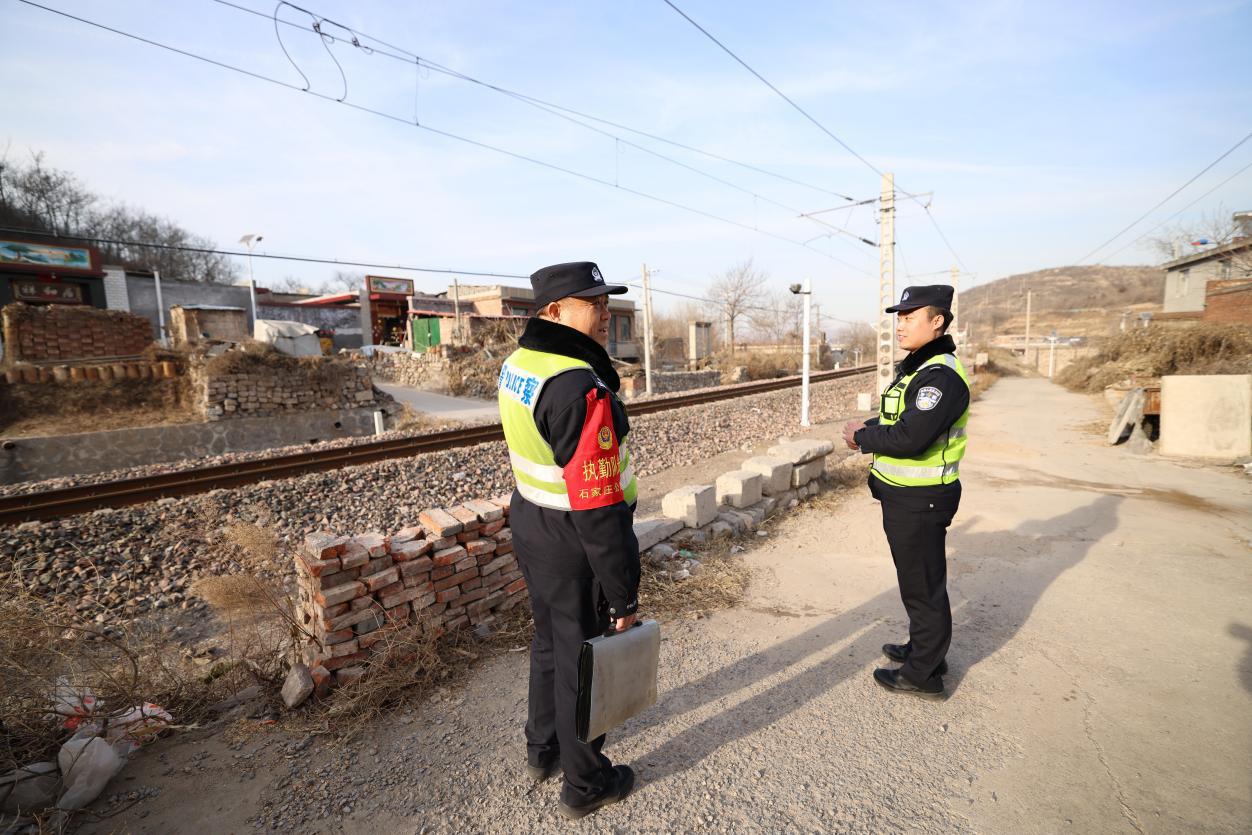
[917, 429]
[599, 542]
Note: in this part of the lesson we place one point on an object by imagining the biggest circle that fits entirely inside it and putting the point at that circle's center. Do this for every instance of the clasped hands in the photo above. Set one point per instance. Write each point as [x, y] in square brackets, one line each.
[849, 431]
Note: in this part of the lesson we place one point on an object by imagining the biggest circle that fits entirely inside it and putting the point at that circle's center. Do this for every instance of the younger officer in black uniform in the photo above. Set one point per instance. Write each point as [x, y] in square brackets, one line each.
[572, 516]
[918, 441]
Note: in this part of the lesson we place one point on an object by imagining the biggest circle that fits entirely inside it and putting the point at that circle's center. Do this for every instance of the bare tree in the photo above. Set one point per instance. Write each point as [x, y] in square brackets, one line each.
[736, 291]
[39, 198]
[778, 318]
[1217, 228]
[857, 337]
[344, 281]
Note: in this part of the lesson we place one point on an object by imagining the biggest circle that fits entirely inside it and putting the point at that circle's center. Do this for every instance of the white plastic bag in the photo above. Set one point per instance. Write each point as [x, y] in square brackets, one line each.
[72, 704]
[137, 726]
[87, 764]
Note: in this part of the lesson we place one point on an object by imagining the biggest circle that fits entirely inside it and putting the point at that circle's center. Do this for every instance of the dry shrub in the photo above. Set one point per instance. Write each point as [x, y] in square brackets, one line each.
[720, 584]
[123, 667]
[235, 594]
[419, 423]
[51, 408]
[263, 359]
[1201, 348]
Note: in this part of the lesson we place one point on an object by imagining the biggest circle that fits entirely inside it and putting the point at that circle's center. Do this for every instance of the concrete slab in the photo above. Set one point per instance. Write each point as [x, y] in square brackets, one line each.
[739, 488]
[1207, 416]
[695, 505]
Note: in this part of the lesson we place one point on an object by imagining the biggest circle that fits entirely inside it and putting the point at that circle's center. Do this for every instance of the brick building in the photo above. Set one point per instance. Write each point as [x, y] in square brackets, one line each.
[1187, 279]
[501, 300]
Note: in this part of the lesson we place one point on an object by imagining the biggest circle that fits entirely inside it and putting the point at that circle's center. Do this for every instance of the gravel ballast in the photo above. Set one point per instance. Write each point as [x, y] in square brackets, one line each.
[114, 565]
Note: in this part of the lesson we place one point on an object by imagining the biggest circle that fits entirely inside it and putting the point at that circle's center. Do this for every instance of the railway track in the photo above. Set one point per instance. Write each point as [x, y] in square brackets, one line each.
[67, 501]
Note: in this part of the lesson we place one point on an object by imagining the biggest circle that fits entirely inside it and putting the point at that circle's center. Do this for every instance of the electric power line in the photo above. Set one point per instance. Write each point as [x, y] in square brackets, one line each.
[1169, 197]
[780, 93]
[818, 124]
[1180, 211]
[411, 57]
[242, 254]
[437, 131]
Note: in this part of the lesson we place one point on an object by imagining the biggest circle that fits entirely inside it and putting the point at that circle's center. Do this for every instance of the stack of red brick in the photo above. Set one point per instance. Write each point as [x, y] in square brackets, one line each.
[455, 568]
[61, 332]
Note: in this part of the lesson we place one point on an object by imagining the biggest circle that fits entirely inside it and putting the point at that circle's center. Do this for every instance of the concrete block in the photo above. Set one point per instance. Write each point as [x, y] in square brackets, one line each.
[735, 525]
[739, 488]
[802, 452]
[1207, 416]
[721, 530]
[650, 532]
[695, 505]
[775, 472]
[805, 473]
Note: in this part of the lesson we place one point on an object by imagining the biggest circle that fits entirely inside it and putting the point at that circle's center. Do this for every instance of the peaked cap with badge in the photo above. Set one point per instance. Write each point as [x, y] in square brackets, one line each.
[577, 278]
[923, 295]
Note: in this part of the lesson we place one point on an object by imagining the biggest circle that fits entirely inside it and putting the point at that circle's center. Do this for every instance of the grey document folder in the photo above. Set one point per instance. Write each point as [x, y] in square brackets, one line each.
[616, 678]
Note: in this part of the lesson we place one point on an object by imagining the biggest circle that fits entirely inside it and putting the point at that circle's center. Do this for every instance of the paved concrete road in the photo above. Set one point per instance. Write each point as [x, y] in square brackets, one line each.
[1101, 678]
[443, 406]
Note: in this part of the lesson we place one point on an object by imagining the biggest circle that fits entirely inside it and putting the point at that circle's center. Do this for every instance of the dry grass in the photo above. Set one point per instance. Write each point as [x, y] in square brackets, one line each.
[261, 359]
[33, 409]
[1201, 348]
[419, 423]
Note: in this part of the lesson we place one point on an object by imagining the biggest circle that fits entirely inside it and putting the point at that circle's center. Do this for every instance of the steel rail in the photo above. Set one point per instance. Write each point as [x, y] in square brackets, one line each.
[68, 501]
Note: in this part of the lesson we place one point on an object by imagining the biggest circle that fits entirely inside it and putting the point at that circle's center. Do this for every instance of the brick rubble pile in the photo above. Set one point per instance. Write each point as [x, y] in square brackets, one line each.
[456, 568]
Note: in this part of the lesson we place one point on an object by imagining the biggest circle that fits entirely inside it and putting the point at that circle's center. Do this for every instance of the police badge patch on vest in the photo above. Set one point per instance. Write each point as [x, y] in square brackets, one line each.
[928, 398]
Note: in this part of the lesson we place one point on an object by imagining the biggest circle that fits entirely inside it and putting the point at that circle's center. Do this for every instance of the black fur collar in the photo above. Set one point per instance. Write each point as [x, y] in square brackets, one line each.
[942, 345]
[555, 338]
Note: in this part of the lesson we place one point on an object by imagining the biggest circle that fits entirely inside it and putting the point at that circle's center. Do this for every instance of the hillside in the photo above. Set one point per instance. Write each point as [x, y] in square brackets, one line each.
[1075, 301]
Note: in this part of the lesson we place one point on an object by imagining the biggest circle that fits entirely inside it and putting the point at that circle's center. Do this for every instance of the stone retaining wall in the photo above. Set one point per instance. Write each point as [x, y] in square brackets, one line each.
[272, 394]
[664, 382]
[56, 456]
[427, 371]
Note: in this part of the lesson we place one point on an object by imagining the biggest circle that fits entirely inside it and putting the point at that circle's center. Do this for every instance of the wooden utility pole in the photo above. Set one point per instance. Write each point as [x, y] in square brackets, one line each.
[647, 331]
[886, 284]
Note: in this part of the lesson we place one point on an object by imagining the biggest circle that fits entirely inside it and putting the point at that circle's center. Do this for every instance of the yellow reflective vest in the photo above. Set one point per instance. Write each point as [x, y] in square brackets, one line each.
[539, 479]
[940, 464]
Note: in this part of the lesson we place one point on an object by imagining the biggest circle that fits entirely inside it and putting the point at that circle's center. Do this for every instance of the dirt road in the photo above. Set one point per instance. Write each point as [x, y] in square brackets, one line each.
[1101, 679]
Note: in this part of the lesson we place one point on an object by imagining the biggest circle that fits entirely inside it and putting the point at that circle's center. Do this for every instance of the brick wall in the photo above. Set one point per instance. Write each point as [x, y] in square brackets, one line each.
[455, 568]
[65, 333]
[1230, 305]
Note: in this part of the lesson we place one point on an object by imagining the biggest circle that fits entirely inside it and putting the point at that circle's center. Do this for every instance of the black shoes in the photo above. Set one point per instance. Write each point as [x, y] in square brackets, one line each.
[623, 782]
[892, 680]
[543, 771]
[899, 653]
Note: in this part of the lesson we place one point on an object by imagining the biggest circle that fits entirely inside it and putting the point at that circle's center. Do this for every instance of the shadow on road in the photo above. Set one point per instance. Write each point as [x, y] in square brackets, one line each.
[1244, 633]
[1050, 546]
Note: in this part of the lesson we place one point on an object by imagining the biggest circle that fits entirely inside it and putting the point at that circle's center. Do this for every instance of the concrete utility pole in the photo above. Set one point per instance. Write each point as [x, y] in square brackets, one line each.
[647, 331]
[456, 308]
[886, 284]
[956, 297]
[804, 382]
[156, 277]
[1026, 355]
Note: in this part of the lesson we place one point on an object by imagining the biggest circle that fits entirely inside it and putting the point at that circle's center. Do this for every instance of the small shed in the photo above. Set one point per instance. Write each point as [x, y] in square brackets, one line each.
[191, 324]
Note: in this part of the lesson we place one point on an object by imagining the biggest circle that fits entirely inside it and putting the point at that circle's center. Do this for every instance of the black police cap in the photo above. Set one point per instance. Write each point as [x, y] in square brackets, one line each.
[578, 278]
[923, 295]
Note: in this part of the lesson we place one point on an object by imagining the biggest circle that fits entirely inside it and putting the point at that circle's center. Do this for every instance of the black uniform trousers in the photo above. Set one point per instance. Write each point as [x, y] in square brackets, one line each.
[567, 611]
[918, 540]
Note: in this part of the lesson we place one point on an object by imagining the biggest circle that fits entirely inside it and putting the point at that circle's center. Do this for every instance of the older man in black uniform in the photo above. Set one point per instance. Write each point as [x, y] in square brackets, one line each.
[572, 516]
[918, 440]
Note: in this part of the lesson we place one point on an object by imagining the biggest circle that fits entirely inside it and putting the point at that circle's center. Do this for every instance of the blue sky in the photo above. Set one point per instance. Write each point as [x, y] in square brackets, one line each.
[1042, 129]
